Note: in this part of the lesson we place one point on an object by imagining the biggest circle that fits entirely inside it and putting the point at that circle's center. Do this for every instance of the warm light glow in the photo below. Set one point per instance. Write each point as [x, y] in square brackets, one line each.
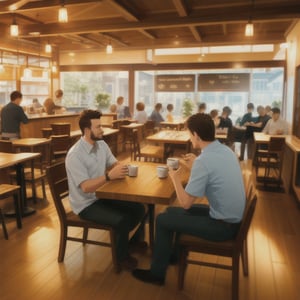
[54, 69]
[249, 29]
[109, 49]
[2, 69]
[62, 15]
[48, 48]
[14, 29]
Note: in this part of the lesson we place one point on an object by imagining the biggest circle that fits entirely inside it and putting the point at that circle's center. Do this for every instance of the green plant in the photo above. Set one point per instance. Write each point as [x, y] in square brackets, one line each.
[102, 100]
[187, 107]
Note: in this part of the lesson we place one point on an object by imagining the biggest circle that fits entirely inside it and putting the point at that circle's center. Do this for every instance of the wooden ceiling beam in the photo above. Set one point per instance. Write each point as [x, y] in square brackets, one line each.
[180, 7]
[112, 38]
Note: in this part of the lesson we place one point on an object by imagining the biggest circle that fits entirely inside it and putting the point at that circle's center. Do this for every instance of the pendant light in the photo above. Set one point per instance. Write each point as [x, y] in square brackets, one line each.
[63, 14]
[14, 28]
[109, 48]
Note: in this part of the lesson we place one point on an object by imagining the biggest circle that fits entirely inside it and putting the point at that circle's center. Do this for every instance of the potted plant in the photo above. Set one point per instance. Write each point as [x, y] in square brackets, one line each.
[187, 108]
[102, 100]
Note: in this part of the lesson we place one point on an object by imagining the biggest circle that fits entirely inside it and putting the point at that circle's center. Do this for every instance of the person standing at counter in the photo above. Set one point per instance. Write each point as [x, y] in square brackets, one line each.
[50, 107]
[58, 97]
[12, 115]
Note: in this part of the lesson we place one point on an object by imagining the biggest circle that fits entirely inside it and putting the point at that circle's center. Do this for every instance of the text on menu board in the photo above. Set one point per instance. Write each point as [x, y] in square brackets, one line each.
[224, 82]
[174, 83]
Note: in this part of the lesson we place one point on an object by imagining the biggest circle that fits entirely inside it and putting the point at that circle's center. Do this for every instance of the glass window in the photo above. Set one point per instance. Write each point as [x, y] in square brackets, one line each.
[265, 88]
[81, 88]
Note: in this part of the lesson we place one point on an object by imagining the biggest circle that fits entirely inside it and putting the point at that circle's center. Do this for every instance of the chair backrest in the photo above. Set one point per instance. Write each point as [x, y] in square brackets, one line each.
[136, 150]
[149, 127]
[60, 143]
[61, 128]
[58, 183]
[6, 146]
[251, 199]
[276, 144]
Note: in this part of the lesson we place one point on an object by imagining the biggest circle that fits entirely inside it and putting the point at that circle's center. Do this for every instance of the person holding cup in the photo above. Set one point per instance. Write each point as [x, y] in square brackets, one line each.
[90, 164]
[216, 174]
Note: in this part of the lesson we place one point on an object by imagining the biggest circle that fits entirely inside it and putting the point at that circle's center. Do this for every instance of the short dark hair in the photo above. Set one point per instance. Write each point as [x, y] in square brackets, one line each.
[250, 105]
[140, 106]
[202, 105]
[170, 107]
[203, 125]
[86, 116]
[276, 110]
[227, 110]
[15, 95]
[158, 106]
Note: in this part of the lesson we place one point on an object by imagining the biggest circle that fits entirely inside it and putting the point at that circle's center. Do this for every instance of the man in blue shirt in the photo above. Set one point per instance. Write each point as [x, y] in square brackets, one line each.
[216, 174]
[12, 115]
[89, 165]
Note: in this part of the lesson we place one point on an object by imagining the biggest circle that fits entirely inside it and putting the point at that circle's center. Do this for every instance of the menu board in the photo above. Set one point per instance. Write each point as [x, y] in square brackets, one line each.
[224, 82]
[175, 83]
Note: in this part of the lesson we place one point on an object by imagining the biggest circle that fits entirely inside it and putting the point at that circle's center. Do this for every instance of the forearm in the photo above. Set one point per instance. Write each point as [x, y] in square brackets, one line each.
[91, 185]
[183, 197]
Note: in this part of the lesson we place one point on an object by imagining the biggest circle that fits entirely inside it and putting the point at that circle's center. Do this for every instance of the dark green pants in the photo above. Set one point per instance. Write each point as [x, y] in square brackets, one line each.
[123, 216]
[194, 221]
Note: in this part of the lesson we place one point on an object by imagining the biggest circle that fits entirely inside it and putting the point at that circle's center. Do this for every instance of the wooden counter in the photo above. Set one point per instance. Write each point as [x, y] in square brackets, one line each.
[33, 129]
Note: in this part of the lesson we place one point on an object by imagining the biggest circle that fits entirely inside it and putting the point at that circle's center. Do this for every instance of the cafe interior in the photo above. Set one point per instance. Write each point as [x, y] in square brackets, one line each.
[179, 52]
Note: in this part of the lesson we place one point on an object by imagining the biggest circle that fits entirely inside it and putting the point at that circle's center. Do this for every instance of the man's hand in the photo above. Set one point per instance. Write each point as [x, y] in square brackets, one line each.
[119, 171]
[188, 160]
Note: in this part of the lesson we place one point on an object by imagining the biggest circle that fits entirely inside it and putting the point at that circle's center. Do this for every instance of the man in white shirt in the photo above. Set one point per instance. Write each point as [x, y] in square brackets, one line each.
[276, 125]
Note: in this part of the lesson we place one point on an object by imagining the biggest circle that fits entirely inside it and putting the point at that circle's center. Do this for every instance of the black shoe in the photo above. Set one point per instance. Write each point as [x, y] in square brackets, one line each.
[147, 276]
[140, 247]
[129, 263]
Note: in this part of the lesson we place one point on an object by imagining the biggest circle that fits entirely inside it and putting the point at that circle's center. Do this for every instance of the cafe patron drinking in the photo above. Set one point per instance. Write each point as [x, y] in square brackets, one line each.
[62, 60]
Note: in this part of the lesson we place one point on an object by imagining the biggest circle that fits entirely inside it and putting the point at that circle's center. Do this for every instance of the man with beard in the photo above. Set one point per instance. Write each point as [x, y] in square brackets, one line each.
[90, 164]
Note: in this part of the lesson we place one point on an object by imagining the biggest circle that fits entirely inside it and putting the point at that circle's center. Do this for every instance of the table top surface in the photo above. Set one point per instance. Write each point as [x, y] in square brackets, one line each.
[31, 141]
[170, 136]
[10, 159]
[145, 188]
[106, 130]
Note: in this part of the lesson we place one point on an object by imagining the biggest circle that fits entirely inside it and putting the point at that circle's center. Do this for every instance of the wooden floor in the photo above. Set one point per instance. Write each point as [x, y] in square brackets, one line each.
[29, 268]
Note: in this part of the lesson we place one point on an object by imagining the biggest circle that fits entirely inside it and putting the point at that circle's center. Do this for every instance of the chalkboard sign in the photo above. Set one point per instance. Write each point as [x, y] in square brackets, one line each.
[175, 83]
[224, 82]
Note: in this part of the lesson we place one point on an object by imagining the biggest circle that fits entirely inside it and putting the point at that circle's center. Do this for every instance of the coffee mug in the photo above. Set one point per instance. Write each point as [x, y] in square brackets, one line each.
[162, 171]
[132, 170]
[173, 163]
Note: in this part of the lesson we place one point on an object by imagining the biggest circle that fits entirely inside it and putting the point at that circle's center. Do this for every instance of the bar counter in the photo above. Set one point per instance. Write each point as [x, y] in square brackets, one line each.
[33, 129]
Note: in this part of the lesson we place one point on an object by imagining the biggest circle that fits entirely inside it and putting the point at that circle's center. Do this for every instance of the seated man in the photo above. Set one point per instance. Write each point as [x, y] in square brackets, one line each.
[89, 165]
[276, 125]
[218, 221]
[255, 126]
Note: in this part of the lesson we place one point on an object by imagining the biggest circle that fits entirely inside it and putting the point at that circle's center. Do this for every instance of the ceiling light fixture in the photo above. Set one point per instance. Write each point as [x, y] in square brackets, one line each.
[249, 29]
[14, 28]
[63, 14]
[109, 48]
[48, 48]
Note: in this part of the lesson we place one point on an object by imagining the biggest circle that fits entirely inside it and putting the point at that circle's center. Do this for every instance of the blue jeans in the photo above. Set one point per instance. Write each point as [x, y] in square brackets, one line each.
[123, 216]
[194, 221]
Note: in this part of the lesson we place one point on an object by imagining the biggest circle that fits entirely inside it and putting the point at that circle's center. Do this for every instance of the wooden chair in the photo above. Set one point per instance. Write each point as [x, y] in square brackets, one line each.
[46, 132]
[147, 152]
[60, 144]
[61, 128]
[231, 248]
[6, 191]
[271, 159]
[33, 174]
[58, 183]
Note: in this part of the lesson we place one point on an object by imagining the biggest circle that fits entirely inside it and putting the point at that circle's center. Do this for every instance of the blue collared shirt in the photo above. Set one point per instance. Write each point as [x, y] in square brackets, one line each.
[216, 174]
[85, 161]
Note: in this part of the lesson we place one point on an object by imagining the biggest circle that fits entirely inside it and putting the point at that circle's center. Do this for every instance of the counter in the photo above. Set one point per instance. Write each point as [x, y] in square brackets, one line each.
[38, 121]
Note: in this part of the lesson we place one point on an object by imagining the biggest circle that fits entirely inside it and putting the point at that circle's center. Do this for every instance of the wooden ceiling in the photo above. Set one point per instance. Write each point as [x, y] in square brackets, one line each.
[148, 24]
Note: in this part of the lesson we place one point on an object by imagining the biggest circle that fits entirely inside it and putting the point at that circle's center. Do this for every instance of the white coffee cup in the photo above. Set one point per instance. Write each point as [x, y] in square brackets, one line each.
[162, 171]
[173, 163]
[132, 170]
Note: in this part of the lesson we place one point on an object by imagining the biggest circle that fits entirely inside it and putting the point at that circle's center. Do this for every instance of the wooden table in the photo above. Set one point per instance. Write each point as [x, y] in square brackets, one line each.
[146, 188]
[17, 160]
[33, 145]
[178, 125]
[167, 137]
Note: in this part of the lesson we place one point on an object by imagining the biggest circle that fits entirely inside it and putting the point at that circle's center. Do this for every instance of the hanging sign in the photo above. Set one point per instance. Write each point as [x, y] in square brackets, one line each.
[175, 83]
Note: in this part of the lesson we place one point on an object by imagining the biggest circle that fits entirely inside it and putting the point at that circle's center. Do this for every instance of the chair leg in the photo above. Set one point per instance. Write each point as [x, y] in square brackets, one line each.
[85, 235]
[17, 205]
[44, 190]
[62, 243]
[235, 277]
[117, 267]
[182, 267]
[3, 225]
[245, 258]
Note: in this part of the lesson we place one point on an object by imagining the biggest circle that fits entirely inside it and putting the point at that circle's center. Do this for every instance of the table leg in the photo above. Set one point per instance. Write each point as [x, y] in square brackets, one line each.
[151, 211]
